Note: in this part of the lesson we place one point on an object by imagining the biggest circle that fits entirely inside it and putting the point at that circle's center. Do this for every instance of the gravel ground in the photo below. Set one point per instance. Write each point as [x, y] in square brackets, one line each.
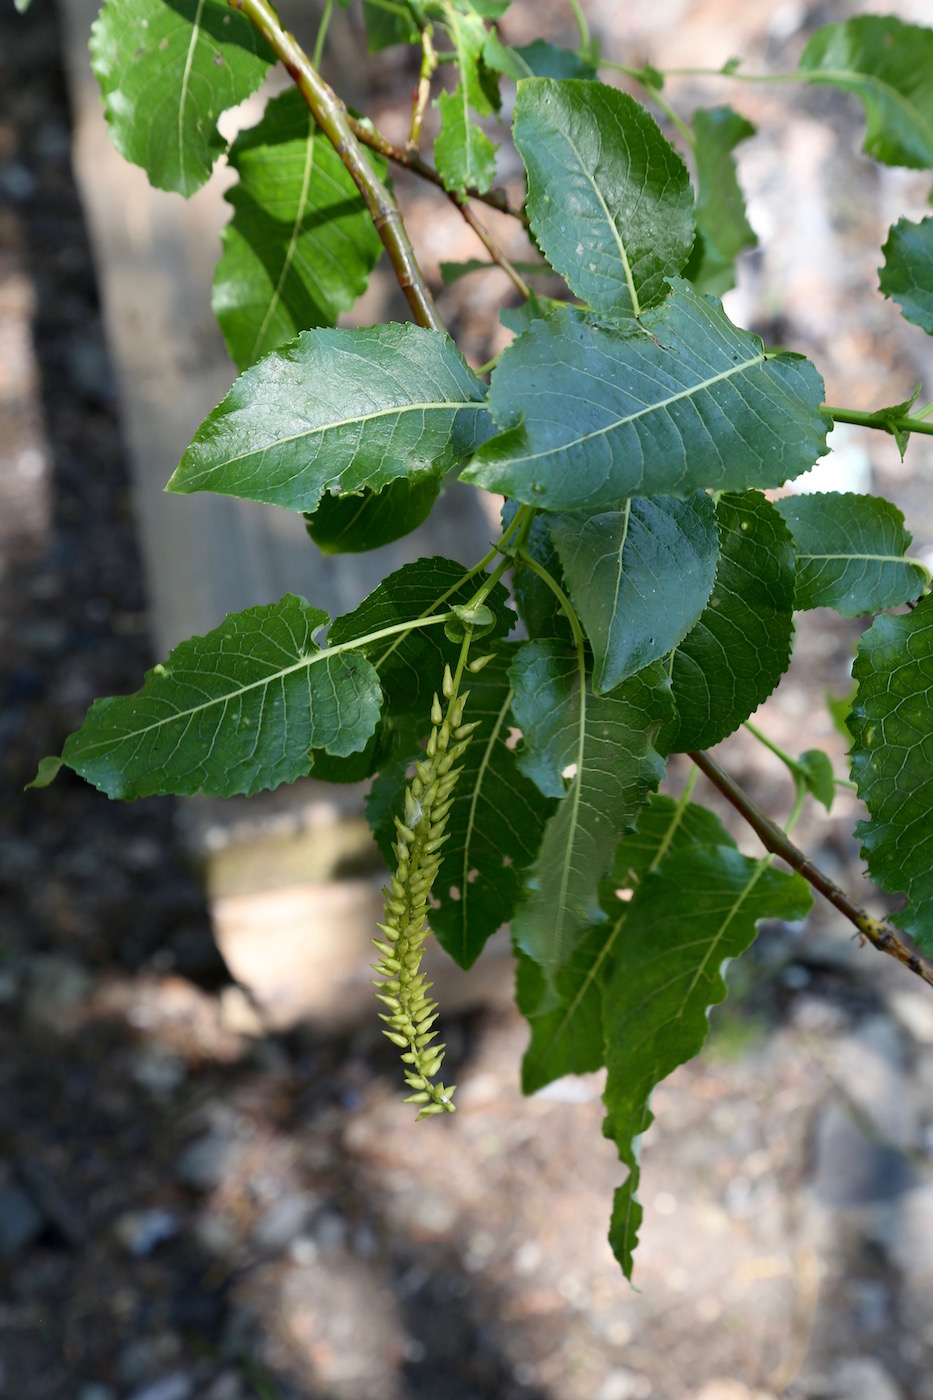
[188, 1212]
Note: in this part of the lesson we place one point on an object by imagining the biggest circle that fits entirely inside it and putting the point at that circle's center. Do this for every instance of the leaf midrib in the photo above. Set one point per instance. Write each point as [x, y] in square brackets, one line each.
[659, 406]
[185, 79]
[456, 405]
[276, 297]
[304, 663]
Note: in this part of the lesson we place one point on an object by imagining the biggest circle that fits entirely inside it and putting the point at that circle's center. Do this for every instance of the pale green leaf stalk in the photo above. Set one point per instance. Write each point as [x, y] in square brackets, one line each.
[411, 1012]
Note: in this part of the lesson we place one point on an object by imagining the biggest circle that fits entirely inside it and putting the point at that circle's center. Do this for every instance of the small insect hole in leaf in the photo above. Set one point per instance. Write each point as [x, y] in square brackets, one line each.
[624, 895]
[454, 893]
[513, 737]
[471, 876]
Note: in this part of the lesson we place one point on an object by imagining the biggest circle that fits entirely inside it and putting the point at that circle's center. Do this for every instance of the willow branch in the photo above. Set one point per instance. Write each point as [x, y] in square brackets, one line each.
[332, 117]
[492, 247]
[879, 935]
[369, 136]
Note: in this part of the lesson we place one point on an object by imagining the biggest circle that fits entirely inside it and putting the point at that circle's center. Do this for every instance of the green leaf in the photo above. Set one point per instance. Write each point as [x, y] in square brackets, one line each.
[568, 1038]
[351, 524]
[236, 711]
[816, 770]
[388, 22]
[300, 246]
[889, 65]
[907, 275]
[167, 71]
[463, 153]
[537, 60]
[411, 665]
[698, 909]
[639, 577]
[339, 411]
[891, 723]
[679, 402]
[606, 744]
[850, 553]
[740, 648]
[609, 198]
[722, 227]
[494, 828]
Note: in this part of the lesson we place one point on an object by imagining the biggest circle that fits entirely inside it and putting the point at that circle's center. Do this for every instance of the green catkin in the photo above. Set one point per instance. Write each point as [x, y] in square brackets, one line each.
[403, 988]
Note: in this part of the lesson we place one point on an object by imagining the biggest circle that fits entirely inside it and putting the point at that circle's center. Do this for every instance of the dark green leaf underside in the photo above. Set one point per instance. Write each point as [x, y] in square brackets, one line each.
[682, 401]
[639, 577]
[236, 711]
[734, 657]
[339, 411]
[907, 275]
[699, 908]
[891, 722]
[850, 553]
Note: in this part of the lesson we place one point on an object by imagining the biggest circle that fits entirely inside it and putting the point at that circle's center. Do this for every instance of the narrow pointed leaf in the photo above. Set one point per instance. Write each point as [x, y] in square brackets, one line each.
[609, 198]
[568, 1038]
[681, 401]
[907, 275]
[891, 722]
[494, 827]
[300, 246]
[850, 553]
[411, 664]
[338, 411]
[734, 657]
[889, 65]
[167, 71]
[699, 908]
[639, 577]
[236, 711]
[610, 741]
[723, 230]
[464, 155]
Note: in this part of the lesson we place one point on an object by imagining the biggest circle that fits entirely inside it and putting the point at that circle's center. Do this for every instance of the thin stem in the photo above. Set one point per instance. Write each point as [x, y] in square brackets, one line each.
[777, 841]
[729, 72]
[560, 595]
[789, 762]
[370, 136]
[492, 248]
[331, 116]
[582, 24]
[322, 33]
[883, 419]
[423, 90]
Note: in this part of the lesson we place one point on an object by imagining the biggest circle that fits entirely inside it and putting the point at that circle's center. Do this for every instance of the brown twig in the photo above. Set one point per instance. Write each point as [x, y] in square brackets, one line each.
[332, 117]
[879, 935]
[491, 246]
[369, 136]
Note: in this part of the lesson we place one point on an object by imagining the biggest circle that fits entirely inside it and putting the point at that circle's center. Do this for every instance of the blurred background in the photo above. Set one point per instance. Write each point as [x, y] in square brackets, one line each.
[209, 1189]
